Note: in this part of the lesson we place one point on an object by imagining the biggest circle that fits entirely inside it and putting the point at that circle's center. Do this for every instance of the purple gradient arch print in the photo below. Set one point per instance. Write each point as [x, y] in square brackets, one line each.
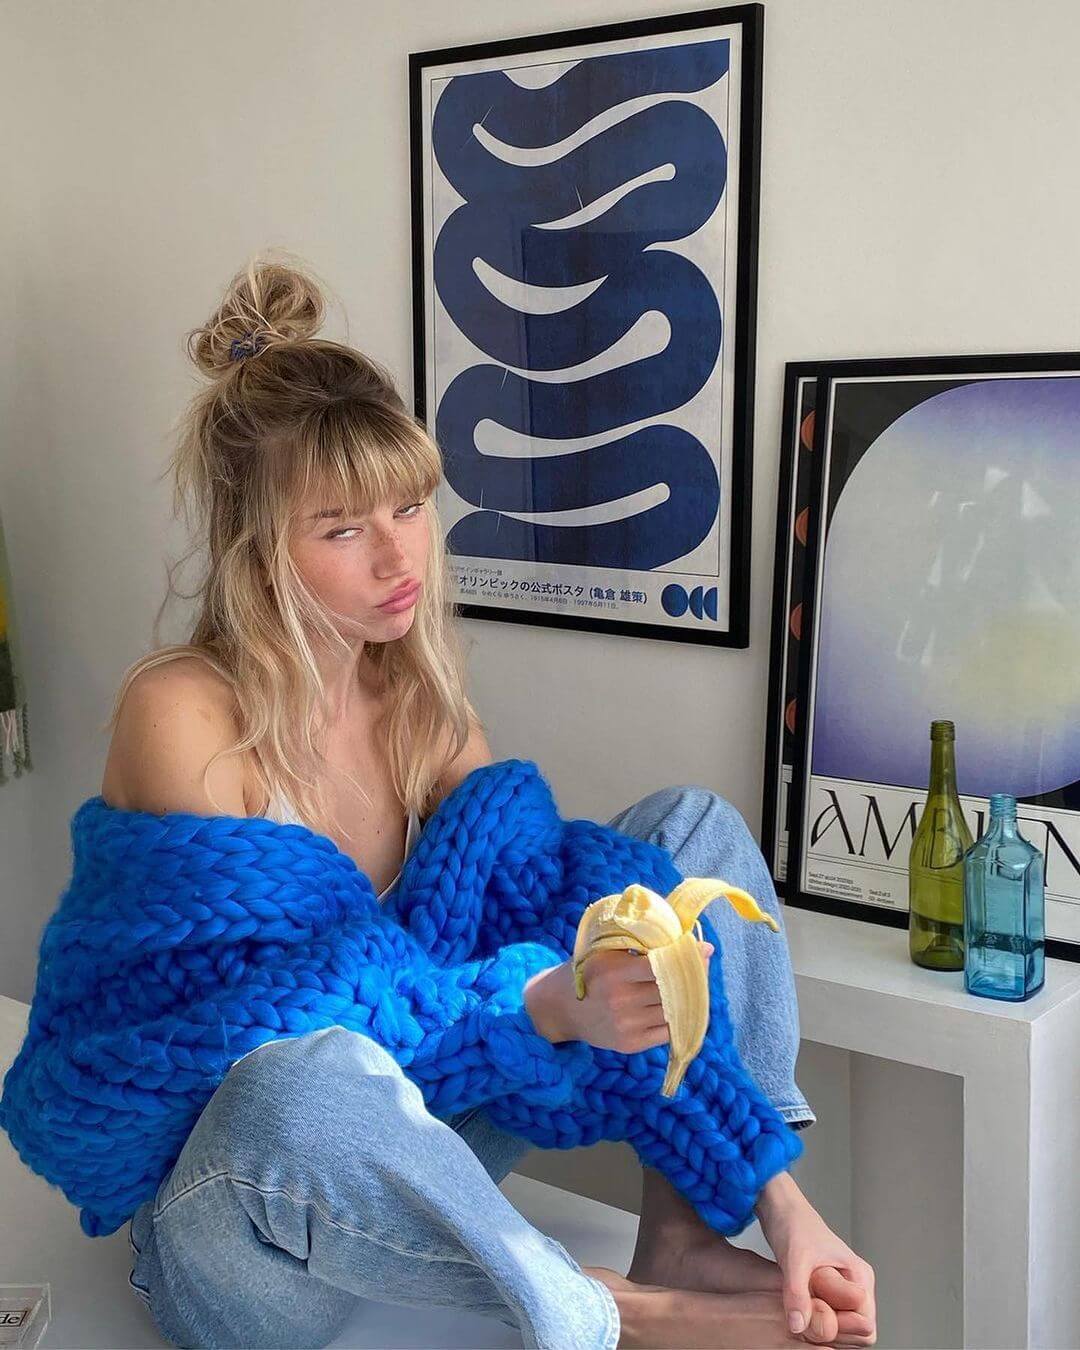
[951, 589]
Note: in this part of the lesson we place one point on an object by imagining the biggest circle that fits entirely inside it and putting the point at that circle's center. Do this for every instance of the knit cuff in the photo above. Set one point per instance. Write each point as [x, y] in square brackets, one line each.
[719, 1141]
[530, 1065]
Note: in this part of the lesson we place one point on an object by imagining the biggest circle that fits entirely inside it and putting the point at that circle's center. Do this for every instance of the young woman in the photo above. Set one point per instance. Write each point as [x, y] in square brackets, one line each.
[323, 683]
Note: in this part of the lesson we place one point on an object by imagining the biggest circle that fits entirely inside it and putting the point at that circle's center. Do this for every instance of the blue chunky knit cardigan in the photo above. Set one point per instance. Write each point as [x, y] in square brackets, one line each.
[184, 941]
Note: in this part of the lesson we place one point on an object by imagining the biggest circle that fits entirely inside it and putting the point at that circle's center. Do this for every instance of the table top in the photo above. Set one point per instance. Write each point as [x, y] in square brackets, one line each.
[874, 957]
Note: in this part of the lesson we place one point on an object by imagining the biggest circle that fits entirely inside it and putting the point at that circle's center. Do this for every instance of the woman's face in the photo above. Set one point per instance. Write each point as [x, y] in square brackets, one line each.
[359, 565]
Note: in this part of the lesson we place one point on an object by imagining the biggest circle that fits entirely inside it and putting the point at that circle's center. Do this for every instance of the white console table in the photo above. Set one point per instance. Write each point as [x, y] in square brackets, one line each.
[1020, 1066]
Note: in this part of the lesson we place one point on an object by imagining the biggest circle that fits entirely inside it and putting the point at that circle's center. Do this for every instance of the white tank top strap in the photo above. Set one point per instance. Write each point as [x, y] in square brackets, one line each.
[281, 809]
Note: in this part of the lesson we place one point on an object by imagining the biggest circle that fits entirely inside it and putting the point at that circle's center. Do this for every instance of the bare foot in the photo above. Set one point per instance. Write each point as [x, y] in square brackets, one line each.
[656, 1318]
[712, 1265]
[613, 1279]
[697, 1258]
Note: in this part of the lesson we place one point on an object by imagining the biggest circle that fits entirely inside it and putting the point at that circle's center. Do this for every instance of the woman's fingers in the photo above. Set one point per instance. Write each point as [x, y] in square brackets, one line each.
[830, 1284]
[638, 970]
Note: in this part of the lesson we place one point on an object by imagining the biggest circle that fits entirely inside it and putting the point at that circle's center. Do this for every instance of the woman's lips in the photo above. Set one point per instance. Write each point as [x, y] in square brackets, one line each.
[403, 601]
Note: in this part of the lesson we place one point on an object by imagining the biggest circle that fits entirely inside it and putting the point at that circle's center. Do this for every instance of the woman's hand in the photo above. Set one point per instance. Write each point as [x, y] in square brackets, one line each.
[621, 1009]
[815, 1263]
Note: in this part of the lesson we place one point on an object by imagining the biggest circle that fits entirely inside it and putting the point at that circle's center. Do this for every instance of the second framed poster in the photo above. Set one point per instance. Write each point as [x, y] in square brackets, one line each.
[789, 584]
[584, 272]
[941, 580]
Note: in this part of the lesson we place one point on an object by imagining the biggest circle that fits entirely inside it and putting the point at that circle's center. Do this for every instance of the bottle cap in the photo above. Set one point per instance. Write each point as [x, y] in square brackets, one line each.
[942, 731]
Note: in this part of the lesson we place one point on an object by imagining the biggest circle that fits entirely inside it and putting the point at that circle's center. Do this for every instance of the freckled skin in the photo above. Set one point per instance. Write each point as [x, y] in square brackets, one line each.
[354, 563]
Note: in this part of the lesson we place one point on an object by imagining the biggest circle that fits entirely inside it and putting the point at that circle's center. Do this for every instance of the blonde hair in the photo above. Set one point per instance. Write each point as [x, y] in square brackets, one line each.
[300, 413]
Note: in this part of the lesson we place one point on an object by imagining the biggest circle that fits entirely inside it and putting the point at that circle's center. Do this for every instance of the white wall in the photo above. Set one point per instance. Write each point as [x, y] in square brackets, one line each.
[920, 195]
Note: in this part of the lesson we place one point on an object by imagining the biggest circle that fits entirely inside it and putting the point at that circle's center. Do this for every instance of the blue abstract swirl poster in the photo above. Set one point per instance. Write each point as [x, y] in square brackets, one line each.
[585, 215]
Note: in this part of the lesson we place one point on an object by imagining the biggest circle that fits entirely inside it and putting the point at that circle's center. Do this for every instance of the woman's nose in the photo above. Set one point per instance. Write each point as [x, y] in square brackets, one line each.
[392, 557]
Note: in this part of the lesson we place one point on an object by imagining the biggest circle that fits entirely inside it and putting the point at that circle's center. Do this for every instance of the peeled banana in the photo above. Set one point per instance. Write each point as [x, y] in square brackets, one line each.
[666, 930]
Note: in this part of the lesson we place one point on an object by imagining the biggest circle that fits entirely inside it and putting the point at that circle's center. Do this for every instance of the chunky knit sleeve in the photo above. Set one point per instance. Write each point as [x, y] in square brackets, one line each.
[477, 1042]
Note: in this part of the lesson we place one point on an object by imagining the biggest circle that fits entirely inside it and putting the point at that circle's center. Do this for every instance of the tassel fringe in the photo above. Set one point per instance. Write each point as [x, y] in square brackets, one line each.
[14, 741]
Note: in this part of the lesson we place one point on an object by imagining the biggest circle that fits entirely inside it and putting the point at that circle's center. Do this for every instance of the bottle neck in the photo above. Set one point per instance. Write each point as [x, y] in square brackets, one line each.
[1003, 823]
[942, 769]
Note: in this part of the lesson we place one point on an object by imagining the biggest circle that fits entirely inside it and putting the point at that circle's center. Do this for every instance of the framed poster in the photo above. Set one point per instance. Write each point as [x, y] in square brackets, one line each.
[585, 210]
[942, 580]
[792, 523]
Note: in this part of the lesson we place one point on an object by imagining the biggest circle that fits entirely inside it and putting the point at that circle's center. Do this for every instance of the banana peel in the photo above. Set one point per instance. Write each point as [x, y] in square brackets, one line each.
[666, 929]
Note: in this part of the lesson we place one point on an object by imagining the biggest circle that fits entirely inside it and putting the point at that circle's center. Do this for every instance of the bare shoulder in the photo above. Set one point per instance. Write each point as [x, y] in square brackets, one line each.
[474, 753]
[174, 718]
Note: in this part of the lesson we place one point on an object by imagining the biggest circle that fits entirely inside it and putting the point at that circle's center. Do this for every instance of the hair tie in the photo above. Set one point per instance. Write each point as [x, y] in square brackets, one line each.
[248, 345]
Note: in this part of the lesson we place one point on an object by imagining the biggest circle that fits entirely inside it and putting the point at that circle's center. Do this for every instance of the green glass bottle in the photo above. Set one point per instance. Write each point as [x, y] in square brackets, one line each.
[935, 866]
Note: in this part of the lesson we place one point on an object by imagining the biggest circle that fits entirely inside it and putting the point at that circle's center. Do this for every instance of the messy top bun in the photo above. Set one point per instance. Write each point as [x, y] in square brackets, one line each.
[300, 415]
[264, 304]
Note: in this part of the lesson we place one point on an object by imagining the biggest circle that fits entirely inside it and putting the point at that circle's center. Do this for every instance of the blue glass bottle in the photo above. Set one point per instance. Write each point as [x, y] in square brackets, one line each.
[1004, 910]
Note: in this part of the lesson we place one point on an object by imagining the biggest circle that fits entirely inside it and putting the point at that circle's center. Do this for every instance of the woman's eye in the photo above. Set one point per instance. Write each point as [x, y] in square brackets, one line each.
[413, 508]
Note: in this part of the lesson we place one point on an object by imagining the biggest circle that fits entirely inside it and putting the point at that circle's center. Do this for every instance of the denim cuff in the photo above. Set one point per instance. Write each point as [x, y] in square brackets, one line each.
[798, 1117]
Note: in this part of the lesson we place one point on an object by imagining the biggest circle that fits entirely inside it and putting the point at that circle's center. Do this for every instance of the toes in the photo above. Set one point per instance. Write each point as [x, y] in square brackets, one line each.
[823, 1326]
[854, 1329]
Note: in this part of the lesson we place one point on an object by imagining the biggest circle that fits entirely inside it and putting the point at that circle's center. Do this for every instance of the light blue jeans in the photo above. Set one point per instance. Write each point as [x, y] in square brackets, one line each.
[315, 1176]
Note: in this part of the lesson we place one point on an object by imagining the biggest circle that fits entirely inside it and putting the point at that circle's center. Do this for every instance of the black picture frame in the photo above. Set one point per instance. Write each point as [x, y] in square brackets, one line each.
[792, 501]
[695, 623]
[955, 371]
